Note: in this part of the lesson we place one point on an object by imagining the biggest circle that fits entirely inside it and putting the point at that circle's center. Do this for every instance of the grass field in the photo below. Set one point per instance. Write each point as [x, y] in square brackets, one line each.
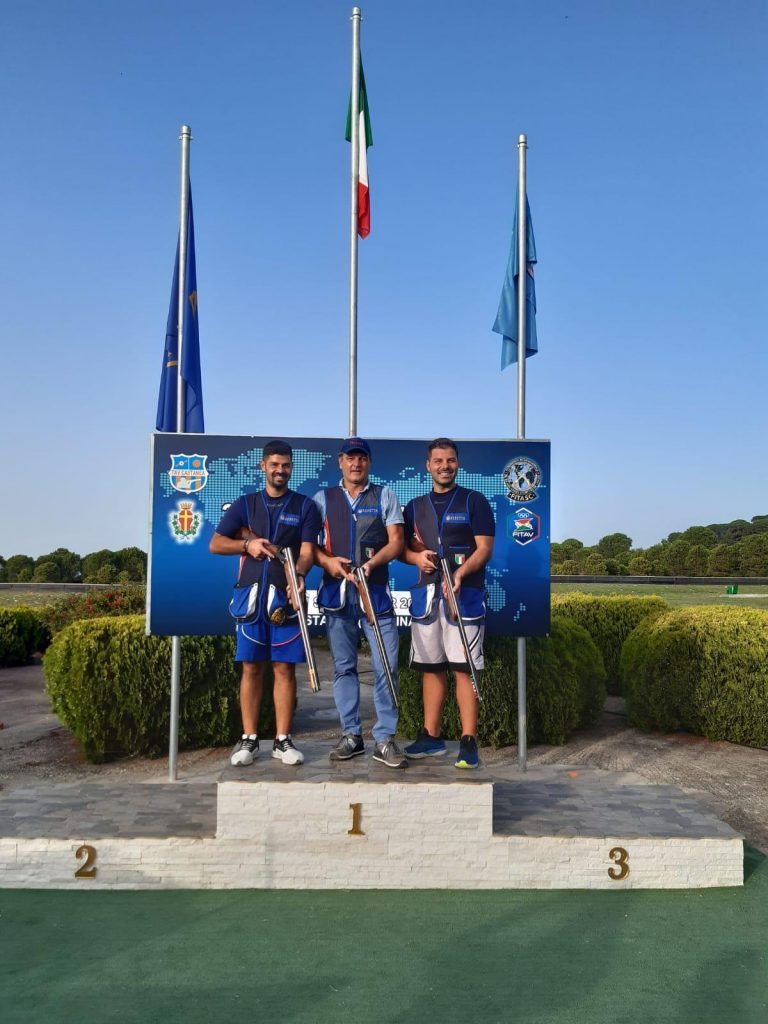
[676, 595]
[29, 598]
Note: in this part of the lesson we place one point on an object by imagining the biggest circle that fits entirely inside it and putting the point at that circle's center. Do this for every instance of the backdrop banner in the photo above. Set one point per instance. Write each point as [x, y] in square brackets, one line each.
[194, 477]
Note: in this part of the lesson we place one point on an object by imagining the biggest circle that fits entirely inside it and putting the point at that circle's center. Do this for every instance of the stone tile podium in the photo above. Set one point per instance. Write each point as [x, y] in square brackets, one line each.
[359, 825]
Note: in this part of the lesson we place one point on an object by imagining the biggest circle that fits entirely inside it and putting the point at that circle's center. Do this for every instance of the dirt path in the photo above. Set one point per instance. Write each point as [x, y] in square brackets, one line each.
[36, 747]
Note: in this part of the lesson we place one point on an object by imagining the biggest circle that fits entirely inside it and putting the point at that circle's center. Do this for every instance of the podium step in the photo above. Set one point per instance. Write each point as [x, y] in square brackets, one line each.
[361, 825]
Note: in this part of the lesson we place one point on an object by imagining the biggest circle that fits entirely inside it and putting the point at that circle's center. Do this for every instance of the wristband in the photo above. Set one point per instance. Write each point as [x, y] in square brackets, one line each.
[246, 542]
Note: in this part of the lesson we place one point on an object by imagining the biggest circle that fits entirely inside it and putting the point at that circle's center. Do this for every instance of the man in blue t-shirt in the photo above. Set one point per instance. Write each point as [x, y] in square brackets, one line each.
[457, 524]
[362, 526]
[255, 527]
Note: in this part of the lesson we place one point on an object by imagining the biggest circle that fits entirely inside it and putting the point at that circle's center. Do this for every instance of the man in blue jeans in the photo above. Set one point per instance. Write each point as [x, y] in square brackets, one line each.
[362, 526]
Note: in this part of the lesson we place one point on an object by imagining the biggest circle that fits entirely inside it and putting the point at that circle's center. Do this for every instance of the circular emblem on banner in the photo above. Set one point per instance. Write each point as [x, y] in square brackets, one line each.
[522, 478]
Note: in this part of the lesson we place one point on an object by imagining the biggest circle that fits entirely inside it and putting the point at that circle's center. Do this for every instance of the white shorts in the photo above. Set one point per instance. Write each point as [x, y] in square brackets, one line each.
[436, 643]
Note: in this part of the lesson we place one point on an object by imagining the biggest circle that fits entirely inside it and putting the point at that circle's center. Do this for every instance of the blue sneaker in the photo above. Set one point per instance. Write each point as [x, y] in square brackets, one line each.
[468, 756]
[425, 746]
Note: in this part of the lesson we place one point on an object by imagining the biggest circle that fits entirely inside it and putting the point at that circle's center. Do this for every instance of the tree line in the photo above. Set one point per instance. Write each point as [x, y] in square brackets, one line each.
[738, 548]
[128, 565]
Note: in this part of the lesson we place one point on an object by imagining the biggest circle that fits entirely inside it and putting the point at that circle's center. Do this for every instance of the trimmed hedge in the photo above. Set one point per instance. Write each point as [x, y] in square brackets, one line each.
[22, 634]
[609, 620]
[566, 688]
[110, 684]
[703, 669]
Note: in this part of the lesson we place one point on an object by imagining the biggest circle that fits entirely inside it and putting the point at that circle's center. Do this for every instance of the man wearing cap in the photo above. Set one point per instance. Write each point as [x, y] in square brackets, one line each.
[267, 629]
[362, 526]
[456, 524]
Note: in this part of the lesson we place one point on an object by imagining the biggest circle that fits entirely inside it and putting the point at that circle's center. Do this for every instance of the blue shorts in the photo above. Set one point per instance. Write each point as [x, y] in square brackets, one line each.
[264, 641]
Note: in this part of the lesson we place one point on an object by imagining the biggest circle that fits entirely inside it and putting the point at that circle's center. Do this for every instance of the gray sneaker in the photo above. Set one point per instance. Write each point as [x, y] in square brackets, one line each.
[246, 750]
[347, 747]
[390, 754]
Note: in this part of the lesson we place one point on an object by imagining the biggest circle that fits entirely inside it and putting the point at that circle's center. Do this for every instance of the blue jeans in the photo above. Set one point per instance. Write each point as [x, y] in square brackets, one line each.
[343, 632]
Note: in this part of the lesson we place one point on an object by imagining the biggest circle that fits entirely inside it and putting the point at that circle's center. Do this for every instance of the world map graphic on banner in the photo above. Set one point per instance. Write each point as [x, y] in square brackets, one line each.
[195, 478]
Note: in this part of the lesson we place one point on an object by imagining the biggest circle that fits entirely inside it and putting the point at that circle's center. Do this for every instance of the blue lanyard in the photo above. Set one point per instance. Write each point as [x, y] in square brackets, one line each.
[441, 519]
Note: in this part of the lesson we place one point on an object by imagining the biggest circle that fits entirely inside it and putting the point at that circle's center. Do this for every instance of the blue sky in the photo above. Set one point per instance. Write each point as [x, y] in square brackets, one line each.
[646, 178]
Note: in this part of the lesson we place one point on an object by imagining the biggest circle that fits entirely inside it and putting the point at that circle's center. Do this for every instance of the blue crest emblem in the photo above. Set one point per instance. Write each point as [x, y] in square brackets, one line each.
[188, 473]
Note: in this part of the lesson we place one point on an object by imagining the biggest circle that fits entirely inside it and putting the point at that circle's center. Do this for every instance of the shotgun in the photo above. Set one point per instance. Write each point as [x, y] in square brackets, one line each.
[453, 605]
[286, 557]
[365, 600]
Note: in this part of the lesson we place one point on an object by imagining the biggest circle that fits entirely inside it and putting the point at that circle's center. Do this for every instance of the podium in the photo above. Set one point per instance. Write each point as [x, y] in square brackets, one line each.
[359, 825]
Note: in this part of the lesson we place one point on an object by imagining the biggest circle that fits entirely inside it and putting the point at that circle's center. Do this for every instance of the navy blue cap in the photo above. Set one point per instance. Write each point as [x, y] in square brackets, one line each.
[355, 444]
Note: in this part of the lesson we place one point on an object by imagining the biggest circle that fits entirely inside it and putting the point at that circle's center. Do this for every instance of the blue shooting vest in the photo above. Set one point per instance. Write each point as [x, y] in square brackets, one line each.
[266, 578]
[453, 538]
[357, 533]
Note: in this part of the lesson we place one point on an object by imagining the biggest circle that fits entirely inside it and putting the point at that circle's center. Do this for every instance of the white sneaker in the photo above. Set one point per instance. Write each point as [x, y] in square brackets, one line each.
[285, 751]
[246, 750]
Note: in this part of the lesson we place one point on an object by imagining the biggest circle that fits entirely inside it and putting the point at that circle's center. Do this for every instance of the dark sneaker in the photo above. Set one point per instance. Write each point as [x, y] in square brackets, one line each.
[390, 754]
[347, 747]
[285, 751]
[426, 745]
[468, 756]
[246, 750]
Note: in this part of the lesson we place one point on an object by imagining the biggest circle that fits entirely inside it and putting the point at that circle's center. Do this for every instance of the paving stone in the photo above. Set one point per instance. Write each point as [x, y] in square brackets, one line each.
[545, 801]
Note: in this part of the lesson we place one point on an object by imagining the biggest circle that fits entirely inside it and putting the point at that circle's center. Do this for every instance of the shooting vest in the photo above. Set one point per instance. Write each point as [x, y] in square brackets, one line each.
[453, 538]
[356, 533]
[267, 576]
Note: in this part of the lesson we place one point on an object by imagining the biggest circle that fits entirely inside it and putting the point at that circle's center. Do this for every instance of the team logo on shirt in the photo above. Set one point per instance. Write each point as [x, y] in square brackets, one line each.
[522, 478]
[188, 473]
[185, 522]
[523, 526]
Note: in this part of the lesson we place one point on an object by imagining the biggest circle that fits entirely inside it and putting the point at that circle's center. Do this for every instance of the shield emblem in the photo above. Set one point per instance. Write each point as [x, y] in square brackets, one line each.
[523, 526]
[188, 473]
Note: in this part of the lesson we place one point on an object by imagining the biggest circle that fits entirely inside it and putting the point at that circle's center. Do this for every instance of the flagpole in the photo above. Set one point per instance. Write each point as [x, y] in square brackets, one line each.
[355, 147]
[181, 396]
[522, 277]
[181, 407]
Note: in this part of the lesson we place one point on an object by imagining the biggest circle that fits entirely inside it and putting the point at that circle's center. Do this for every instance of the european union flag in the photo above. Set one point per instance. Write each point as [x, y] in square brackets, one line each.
[190, 352]
[506, 318]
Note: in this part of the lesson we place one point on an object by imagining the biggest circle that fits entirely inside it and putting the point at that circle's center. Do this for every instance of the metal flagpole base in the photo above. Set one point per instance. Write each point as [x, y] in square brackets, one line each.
[522, 714]
[173, 737]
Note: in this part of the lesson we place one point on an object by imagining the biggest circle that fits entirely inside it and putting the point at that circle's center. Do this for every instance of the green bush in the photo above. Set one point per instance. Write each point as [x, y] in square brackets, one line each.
[91, 604]
[110, 684]
[704, 669]
[23, 633]
[566, 688]
[609, 620]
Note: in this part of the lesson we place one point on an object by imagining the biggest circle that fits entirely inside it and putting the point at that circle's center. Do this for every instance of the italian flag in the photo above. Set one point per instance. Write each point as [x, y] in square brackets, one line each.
[366, 140]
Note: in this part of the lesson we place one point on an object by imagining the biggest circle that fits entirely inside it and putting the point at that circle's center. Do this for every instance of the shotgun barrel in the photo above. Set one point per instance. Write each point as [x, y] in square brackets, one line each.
[453, 605]
[365, 600]
[289, 564]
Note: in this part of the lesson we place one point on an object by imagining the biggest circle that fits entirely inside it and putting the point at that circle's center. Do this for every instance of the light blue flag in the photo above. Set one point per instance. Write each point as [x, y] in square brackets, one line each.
[506, 318]
[190, 357]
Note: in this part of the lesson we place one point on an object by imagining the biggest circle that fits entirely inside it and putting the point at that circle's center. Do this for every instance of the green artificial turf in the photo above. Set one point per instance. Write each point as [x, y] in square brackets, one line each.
[689, 957]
